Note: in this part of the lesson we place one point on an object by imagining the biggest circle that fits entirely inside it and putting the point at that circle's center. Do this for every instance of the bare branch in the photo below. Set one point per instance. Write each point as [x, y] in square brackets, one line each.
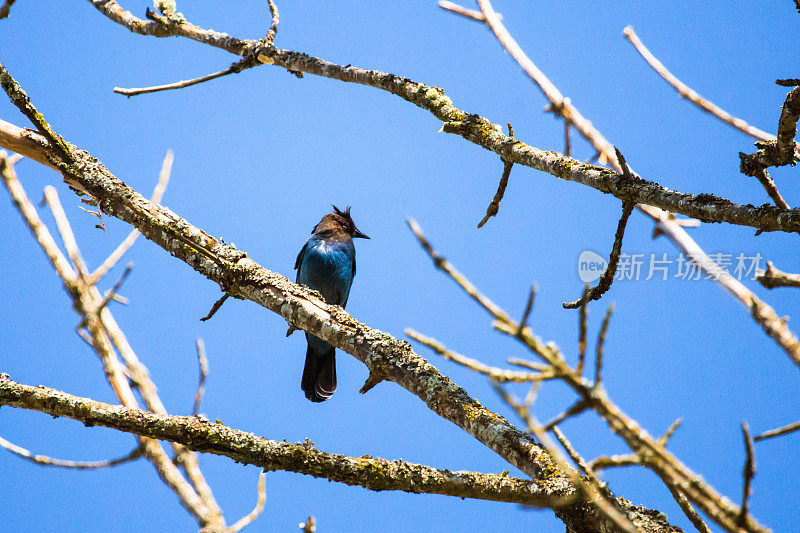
[463, 11]
[573, 410]
[782, 151]
[601, 340]
[689, 94]
[480, 131]
[273, 29]
[262, 497]
[98, 332]
[785, 430]
[23, 103]
[65, 229]
[5, 8]
[309, 526]
[43, 460]
[501, 187]
[688, 510]
[494, 373]
[670, 431]
[124, 246]
[235, 68]
[113, 292]
[201, 384]
[651, 452]
[665, 221]
[244, 447]
[582, 329]
[442, 264]
[523, 323]
[772, 277]
[748, 472]
[216, 306]
[608, 275]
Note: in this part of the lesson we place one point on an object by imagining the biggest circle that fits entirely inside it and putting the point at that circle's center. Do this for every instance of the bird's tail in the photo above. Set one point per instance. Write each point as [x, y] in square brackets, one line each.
[319, 373]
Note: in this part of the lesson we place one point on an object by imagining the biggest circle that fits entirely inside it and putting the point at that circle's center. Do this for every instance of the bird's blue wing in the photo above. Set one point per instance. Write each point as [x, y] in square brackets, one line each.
[299, 260]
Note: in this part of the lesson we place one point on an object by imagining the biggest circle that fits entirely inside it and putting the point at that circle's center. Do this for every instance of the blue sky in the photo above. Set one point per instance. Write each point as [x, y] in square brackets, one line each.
[259, 158]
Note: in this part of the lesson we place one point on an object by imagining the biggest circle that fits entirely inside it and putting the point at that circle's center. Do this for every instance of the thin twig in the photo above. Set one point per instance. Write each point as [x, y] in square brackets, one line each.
[235, 68]
[216, 307]
[113, 292]
[772, 433]
[652, 452]
[201, 384]
[309, 526]
[593, 488]
[496, 374]
[748, 472]
[442, 264]
[582, 329]
[766, 181]
[574, 455]
[262, 497]
[691, 95]
[573, 410]
[99, 332]
[772, 277]
[664, 220]
[790, 82]
[608, 276]
[124, 246]
[65, 229]
[273, 29]
[44, 460]
[23, 103]
[615, 461]
[6, 7]
[463, 11]
[523, 323]
[670, 431]
[601, 340]
[688, 510]
[501, 187]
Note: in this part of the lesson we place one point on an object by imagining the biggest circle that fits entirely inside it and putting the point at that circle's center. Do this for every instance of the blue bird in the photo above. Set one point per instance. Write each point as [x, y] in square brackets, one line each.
[327, 263]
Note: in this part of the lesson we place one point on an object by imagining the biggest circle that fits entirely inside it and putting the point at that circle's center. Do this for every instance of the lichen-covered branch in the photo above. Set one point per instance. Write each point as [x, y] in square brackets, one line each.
[781, 151]
[666, 223]
[385, 357]
[652, 452]
[201, 435]
[103, 334]
[479, 130]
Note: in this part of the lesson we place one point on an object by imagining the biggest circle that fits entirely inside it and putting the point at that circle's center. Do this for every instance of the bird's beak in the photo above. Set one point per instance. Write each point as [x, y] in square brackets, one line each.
[358, 234]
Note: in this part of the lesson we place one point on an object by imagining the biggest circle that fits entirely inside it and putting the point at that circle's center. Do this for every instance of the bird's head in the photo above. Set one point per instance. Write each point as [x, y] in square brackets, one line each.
[339, 222]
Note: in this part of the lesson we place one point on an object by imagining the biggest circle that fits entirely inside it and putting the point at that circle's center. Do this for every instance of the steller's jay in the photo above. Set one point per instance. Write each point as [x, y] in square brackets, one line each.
[327, 263]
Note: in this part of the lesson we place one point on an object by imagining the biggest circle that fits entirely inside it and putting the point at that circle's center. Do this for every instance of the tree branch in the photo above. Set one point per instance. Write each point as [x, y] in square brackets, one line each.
[203, 436]
[43, 460]
[690, 94]
[480, 131]
[650, 451]
[666, 223]
[772, 277]
[384, 356]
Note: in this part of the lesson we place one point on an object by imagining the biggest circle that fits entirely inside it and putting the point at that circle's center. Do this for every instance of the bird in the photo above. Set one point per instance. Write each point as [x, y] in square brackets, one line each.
[327, 263]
